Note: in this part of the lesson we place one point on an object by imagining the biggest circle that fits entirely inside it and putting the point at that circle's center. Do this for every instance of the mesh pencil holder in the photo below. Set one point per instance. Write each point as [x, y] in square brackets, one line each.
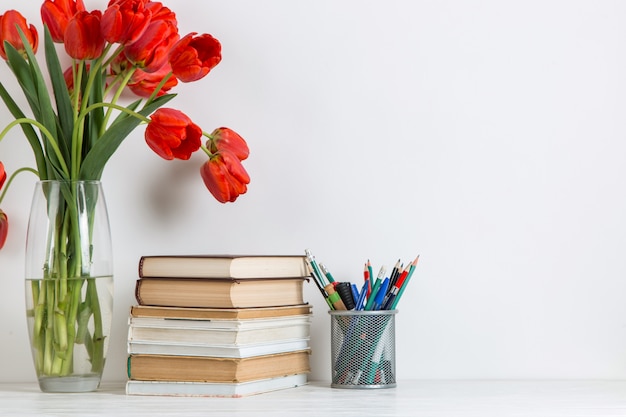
[363, 349]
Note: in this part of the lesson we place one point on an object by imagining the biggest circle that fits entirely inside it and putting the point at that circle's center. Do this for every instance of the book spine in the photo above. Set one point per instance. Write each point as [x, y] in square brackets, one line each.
[140, 267]
[137, 295]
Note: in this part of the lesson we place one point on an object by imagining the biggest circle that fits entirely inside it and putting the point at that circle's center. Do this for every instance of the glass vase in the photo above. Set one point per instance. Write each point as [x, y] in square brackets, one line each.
[69, 284]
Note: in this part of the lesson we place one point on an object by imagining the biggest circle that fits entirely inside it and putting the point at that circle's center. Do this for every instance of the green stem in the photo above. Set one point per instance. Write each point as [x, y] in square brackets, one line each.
[206, 150]
[97, 351]
[112, 57]
[48, 349]
[74, 303]
[77, 76]
[160, 86]
[116, 97]
[12, 177]
[117, 107]
[78, 81]
[47, 134]
[118, 78]
[79, 128]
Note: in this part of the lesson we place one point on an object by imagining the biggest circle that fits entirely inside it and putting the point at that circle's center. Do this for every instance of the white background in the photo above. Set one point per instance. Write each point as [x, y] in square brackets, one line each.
[486, 136]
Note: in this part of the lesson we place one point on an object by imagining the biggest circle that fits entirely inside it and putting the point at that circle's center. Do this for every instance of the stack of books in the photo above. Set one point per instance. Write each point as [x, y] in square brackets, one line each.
[226, 326]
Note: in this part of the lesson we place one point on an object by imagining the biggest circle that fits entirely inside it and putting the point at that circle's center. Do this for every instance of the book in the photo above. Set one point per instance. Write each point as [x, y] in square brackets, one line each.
[216, 369]
[223, 266]
[175, 348]
[200, 332]
[211, 389]
[244, 324]
[219, 313]
[219, 293]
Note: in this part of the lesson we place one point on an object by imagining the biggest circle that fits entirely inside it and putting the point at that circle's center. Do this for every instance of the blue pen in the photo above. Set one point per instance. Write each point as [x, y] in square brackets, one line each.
[362, 294]
[380, 295]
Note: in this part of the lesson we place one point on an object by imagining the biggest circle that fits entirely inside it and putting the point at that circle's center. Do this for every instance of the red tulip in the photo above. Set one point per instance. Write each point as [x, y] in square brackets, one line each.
[144, 83]
[3, 175]
[193, 57]
[4, 228]
[160, 12]
[57, 13]
[172, 134]
[224, 176]
[124, 21]
[224, 138]
[9, 22]
[151, 51]
[83, 39]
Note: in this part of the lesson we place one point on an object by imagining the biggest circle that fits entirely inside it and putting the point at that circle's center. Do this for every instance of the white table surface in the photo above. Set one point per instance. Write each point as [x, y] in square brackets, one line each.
[409, 398]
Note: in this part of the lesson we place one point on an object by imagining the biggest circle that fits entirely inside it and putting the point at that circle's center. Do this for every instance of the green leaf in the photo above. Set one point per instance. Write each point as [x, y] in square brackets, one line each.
[29, 132]
[59, 87]
[47, 117]
[30, 77]
[23, 75]
[107, 144]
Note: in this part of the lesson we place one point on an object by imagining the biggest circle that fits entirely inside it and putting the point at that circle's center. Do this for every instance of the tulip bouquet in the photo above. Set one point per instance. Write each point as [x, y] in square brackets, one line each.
[76, 121]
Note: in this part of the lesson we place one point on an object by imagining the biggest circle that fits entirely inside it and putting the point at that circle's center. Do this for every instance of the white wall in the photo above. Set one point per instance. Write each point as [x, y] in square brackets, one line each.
[486, 136]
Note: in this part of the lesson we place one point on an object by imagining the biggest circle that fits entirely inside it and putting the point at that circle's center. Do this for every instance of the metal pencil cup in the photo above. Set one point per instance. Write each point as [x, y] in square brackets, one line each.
[363, 349]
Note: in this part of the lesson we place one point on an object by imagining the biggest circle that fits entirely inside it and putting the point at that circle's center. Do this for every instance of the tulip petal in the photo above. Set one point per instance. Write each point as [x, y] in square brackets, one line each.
[172, 134]
[224, 138]
[4, 228]
[9, 22]
[193, 57]
[3, 175]
[83, 39]
[225, 177]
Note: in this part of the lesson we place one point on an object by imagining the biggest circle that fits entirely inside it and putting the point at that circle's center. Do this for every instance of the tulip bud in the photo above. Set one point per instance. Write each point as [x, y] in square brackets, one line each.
[9, 22]
[83, 39]
[224, 176]
[57, 14]
[172, 134]
[125, 21]
[224, 138]
[194, 56]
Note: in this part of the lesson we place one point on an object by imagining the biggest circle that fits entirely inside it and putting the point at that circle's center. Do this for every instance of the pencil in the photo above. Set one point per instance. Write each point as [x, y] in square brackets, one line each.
[397, 269]
[371, 277]
[394, 288]
[405, 283]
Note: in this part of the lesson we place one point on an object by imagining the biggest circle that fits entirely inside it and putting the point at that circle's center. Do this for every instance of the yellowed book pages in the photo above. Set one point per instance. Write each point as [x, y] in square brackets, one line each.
[214, 369]
[219, 313]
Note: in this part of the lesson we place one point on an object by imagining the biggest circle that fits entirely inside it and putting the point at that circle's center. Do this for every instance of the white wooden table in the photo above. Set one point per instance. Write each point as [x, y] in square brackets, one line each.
[409, 398]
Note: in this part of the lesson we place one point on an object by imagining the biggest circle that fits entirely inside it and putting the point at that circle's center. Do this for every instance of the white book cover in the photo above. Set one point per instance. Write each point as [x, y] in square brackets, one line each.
[246, 324]
[235, 351]
[195, 335]
[210, 389]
